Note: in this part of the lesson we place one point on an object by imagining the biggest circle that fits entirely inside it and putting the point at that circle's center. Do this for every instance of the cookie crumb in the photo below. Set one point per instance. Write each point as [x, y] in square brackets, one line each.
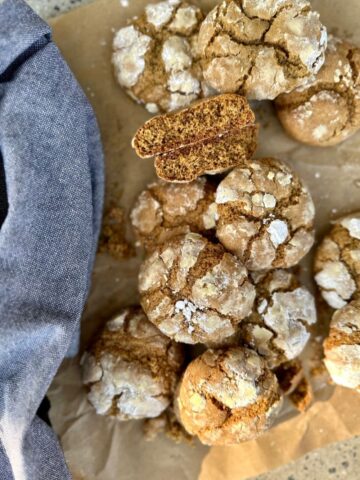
[112, 237]
[302, 397]
[289, 375]
[167, 424]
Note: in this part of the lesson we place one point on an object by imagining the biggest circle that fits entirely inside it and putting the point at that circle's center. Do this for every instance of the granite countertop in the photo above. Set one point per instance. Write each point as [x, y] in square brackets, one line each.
[337, 461]
[51, 8]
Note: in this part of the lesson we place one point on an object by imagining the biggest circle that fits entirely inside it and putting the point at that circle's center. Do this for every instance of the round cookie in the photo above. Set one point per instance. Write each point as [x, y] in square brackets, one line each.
[328, 111]
[278, 328]
[228, 396]
[132, 369]
[261, 48]
[194, 291]
[337, 262]
[165, 210]
[342, 346]
[155, 56]
[265, 215]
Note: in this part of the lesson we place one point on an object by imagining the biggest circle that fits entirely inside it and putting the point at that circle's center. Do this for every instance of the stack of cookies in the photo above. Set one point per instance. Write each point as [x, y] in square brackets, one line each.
[222, 230]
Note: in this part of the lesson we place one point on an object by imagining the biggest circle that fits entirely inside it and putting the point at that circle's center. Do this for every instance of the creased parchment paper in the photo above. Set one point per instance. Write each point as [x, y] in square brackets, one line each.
[99, 448]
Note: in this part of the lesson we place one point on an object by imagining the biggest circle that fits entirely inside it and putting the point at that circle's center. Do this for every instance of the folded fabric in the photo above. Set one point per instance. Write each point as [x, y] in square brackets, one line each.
[51, 191]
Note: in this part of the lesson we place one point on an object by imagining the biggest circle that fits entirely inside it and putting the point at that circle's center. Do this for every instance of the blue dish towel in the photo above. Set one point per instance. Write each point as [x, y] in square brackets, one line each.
[51, 193]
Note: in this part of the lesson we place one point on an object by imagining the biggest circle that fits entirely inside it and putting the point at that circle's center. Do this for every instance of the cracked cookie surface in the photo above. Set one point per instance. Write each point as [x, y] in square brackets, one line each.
[337, 262]
[131, 369]
[278, 328]
[194, 291]
[342, 346]
[155, 57]
[261, 49]
[165, 210]
[228, 396]
[265, 215]
[328, 111]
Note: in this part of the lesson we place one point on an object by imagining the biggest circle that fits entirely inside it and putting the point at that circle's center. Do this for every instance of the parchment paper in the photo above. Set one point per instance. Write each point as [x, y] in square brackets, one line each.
[98, 448]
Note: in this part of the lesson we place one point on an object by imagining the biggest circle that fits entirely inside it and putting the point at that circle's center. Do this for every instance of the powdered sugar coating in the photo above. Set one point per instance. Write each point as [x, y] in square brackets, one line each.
[185, 19]
[336, 282]
[131, 370]
[267, 9]
[352, 225]
[185, 82]
[265, 215]
[278, 231]
[278, 328]
[327, 111]
[261, 49]
[228, 396]
[159, 14]
[130, 48]
[337, 262]
[194, 291]
[140, 396]
[175, 54]
[156, 56]
[342, 347]
[165, 210]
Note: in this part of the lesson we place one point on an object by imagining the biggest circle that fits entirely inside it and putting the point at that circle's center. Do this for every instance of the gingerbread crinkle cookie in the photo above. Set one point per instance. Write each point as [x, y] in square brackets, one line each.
[194, 291]
[131, 370]
[156, 56]
[265, 215]
[261, 49]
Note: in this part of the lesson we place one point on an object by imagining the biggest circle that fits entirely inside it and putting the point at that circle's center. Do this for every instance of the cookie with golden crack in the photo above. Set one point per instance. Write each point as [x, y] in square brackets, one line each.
[265, 215]
[328, 111]
[165, 210]
[337, 262]
[132, 369]
[155, 57]
[342, 346]
[228, 396]
[261, 48]
[194, 291]
[278, 328]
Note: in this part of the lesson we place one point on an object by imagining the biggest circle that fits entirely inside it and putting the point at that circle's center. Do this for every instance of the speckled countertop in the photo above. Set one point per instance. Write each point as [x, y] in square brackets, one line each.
[51, 8]
[337, 461]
